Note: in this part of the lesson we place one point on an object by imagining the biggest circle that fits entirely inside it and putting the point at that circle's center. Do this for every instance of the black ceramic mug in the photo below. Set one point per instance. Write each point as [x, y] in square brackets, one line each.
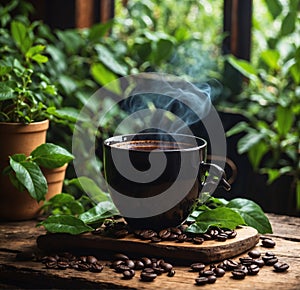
[156, 178]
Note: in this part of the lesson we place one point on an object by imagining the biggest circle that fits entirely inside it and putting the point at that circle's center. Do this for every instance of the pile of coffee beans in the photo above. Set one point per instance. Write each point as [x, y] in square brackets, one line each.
[249, 265]
[150, 267]
[67, 260]
[176, 234]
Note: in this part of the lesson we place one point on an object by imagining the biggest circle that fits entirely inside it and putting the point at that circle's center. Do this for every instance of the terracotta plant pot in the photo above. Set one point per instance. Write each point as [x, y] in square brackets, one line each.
[18, 205]
[19, 138]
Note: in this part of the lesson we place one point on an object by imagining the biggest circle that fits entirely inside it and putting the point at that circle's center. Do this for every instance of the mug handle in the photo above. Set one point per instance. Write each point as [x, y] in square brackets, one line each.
[219, 177]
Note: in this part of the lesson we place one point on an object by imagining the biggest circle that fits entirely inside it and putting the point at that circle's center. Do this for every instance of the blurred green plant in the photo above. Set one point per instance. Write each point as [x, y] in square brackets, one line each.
[271, 100]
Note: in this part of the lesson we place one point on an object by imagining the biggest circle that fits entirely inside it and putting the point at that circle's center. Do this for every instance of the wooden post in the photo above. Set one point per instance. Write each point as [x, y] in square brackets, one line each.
[84, 14]
[237, 26]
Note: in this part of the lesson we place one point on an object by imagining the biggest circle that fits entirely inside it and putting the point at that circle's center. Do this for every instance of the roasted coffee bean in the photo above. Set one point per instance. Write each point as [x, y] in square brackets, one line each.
[121, 268]
[246, 260]
[238, 274]
[271, 262]
[120, 234]
[230, 264]
[146, 261]
[130, 264]
[139, 265]
[176, 231]
[259, 262]
[83, 258]
[253, 269]
[267, 258]
[198, 240]
[206, 237]
[211, 279]
[219, 272]
[148, 234]
[148, 270]
[63, 265]
[280, 267]
[221, 237]
[158, 270]
[207, 273]
[213, 233]
[269, 254]
[164, 234]
[231, 234]
[83, 267]
[242, 268]
[263, 237]
[268, 243]
[166, 266]
[96, 267]
[172, 237]
[120, 256]
[51, 264]
[196, 267]
[181, 238]
[171, 273]
[91, 259]
[254, 254]
[201, 281]
[156, 239]
[128, 274]
[116, 263]
[148, 277]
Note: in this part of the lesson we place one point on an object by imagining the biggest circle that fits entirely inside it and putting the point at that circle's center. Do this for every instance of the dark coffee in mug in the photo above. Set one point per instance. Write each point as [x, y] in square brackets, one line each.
[155, 178]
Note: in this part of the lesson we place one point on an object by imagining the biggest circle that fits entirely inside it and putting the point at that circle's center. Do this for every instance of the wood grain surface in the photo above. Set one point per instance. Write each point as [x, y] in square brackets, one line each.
[19, 237]
[209, 251]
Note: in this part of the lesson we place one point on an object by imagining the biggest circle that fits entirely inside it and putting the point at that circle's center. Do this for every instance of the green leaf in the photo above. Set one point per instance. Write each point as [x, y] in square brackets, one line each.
[249, 140]
[39, 58]
[91, 188]
[19, 32]
[256, 153]
[65, 224]
[288, 24]
[295, 72]
[284, 118]
[49, 155]
[60, 199]
[244, 67]
[99, 30]
[105, 77]
[222, 217]
[271, 58]
[100, 212]
[164, 48]
[238, 128]
[31, 177]
[20, 35]
[252, 214]
[108, 59]
[6, 92]
[275, 7]
[34, 50]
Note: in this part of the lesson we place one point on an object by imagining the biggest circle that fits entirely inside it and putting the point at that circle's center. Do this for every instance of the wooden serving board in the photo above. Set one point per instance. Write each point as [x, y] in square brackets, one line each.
[209, 251]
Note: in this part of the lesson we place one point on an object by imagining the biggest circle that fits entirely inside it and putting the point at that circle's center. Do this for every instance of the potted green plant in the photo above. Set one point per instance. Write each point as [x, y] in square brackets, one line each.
[27, 96]
[40, 174]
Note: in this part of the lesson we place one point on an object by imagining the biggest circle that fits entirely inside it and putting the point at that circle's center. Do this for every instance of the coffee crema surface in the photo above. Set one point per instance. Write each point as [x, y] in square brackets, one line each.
[149, 145]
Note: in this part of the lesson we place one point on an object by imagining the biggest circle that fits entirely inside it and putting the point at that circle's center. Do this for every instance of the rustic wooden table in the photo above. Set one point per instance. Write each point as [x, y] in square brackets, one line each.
[18, 237]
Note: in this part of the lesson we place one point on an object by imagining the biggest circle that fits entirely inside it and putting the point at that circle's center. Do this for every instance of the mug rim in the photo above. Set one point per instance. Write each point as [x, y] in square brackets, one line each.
[114, 140]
